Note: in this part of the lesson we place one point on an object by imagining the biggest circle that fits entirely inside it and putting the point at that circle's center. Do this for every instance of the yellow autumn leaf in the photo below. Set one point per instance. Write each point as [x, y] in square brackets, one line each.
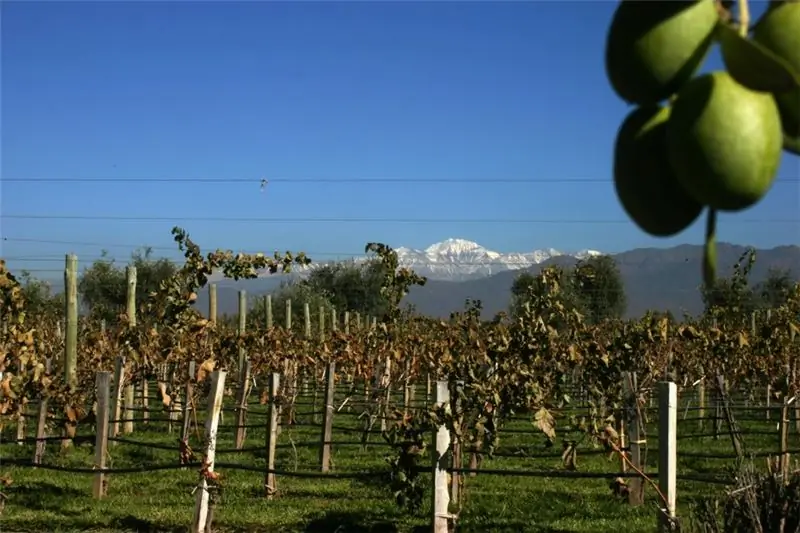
[205, 369]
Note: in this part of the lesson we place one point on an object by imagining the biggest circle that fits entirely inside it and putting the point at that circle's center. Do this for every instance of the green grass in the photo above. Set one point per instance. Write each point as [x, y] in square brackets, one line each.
[45, 500]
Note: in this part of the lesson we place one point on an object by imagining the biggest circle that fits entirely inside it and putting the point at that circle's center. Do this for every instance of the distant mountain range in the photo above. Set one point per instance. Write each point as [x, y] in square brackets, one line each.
[460, 260]
[457, 269]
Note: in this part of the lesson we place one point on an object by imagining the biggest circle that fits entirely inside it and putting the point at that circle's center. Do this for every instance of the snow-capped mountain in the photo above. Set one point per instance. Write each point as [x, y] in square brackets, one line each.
[460, 259]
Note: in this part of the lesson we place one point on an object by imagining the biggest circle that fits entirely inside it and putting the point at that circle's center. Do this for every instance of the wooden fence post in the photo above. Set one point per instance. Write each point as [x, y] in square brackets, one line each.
[241, 414]
[701, 401]
[188, 410]
[173, 409]
[242, 326]
[456, 447]
[101, 439]
[270, 483]
[792, 336]
[41, 422]
[667, 451]
[427, 389]
[116, 397]
[725, 411]
[634, 425]
[127, 426]
[21, 424]
[188, 405]
[71, 319]
[327, 419]
[268, 308]
[145, 387]
[202, 512]
[130, 311]
[784, 463]
[441, 494]
[387, 394]
[717, 412]
[408, 389]
[768, 401]
[315, 392]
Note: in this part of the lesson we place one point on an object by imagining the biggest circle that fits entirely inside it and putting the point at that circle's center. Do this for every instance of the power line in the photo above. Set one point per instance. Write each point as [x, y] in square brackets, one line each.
[172, 248]
[298, 180]
[344, 220]
[134, 247]
[292, 181]
[60, 259]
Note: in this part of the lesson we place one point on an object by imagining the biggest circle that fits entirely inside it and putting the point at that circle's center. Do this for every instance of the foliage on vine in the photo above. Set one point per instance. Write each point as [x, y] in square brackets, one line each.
[527, 365]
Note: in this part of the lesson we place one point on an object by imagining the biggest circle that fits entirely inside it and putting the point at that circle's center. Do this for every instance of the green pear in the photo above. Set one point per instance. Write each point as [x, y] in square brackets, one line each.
[724, 141]
[644, 181]
[778, 30]
[654, 47]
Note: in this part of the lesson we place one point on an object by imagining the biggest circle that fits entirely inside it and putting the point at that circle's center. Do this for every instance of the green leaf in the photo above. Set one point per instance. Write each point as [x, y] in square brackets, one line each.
[753, 65]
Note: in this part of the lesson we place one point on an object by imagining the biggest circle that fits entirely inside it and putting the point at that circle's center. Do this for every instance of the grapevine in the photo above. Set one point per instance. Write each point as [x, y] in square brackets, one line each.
[496, 369]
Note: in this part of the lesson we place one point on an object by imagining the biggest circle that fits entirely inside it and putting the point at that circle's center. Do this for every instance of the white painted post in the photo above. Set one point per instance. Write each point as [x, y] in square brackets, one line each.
[327, 418]
[215, 394]
[441, 493]
[270, 482]
[667, 450]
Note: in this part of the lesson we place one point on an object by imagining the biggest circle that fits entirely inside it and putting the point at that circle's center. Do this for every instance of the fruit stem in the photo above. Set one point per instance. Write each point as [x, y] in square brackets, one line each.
[710, 250]
[744, 17]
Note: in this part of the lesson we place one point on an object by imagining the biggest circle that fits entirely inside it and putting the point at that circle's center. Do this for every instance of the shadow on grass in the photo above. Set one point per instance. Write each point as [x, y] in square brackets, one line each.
[515, 527]
[376, 477]
[141, 456]
[364, 523]
[41, 495]
[131, 523]
[313, 494]
[545, 508]
[349, 523]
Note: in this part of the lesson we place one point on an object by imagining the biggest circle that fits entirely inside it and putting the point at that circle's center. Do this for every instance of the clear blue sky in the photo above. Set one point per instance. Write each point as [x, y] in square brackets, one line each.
[299, 91]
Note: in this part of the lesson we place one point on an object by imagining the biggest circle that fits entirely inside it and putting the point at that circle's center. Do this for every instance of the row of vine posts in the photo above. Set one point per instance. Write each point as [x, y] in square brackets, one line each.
[447, 421]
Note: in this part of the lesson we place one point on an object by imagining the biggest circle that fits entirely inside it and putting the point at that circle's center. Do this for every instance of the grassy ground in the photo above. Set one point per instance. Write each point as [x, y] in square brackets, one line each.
[45, 500]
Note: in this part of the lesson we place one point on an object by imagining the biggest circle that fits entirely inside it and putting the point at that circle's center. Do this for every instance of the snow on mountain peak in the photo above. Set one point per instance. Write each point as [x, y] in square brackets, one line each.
[461, 259]
[453, 247]
[583, 254]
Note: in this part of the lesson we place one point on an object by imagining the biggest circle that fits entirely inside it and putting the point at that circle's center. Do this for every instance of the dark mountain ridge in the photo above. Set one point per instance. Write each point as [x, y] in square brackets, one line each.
[665, 279]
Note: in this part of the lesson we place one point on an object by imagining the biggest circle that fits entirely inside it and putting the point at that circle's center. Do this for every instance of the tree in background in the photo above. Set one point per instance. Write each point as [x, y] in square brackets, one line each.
[600, 289]
[345, 286]
[39, 297]
[300, 294]
[523, 284]
[527, 285]
[593, 287]
[103, 286]
[733, 299]
[776, 289]
[350, 286]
